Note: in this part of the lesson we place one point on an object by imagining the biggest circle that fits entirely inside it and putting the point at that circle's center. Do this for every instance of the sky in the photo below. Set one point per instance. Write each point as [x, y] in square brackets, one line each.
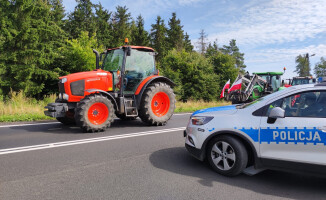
[271, 33]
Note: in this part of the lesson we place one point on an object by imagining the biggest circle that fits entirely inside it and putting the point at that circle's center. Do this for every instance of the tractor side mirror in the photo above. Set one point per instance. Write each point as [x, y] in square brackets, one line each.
[282, 82]
[275, 113]
[128, 51]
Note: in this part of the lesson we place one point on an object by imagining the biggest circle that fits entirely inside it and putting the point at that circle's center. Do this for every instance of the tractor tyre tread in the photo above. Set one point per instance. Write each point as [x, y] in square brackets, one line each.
[81, 114]
[145, 111]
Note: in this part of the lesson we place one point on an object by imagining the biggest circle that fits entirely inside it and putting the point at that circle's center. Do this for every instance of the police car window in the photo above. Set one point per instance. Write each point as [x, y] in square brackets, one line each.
[277, 103]
[308, 104]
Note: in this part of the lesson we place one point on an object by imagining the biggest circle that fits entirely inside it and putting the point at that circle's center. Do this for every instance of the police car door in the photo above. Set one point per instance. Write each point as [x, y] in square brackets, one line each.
[301, 135]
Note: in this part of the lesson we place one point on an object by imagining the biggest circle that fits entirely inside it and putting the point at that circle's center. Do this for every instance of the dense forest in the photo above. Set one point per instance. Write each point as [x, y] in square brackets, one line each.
[40, 41]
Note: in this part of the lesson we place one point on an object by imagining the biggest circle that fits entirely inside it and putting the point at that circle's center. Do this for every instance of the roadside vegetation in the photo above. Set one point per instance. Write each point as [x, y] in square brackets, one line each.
[40, 41]
[18, 107]
[192, 106]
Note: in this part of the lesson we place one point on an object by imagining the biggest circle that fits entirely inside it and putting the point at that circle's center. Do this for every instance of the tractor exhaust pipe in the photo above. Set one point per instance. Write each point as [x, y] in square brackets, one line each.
[97, 59]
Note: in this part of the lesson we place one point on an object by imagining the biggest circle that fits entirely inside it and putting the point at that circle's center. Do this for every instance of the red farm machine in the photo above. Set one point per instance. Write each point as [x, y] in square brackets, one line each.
[127, 84]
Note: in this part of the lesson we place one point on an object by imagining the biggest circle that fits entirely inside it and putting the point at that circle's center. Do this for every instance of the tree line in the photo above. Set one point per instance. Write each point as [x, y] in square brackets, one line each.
[303, 67]
[39, 42]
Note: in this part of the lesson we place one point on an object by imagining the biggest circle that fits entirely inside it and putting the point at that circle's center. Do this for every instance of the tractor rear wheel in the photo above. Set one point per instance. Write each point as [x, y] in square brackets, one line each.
[94, 113]
[157, 104]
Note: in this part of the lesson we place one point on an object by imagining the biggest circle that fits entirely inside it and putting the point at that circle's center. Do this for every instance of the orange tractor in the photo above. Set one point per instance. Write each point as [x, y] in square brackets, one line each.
[127, 84]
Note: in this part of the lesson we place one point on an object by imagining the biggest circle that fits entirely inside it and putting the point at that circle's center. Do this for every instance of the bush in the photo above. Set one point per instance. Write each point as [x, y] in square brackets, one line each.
[193, 74]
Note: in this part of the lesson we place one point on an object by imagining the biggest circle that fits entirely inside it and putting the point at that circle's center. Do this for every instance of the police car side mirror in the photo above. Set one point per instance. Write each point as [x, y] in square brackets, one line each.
[275, 113]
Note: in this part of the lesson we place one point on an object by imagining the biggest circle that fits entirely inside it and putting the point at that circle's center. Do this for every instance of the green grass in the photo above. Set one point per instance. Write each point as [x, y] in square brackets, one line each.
[20, 108]
[192, 106]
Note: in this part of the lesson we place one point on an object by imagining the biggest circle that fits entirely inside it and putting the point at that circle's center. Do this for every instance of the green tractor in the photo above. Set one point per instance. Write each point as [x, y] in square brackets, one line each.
[256, 86]
[273, 83]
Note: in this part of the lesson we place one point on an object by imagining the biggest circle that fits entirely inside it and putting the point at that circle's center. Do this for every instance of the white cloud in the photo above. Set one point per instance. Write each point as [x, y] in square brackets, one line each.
[274, 59]
[188, 2]
[285, 54]
[276, 22]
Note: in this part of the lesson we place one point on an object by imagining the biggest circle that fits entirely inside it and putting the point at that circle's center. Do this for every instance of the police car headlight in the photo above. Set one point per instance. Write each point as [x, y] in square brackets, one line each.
[200, 120]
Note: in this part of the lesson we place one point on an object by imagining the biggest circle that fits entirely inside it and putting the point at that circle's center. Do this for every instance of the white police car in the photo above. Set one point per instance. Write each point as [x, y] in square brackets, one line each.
[284, 130]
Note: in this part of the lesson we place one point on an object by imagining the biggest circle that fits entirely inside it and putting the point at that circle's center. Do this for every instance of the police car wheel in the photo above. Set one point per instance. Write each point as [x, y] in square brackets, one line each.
[227, 155]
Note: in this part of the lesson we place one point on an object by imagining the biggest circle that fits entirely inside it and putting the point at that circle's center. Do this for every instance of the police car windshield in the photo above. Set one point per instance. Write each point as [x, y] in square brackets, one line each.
[246, 105]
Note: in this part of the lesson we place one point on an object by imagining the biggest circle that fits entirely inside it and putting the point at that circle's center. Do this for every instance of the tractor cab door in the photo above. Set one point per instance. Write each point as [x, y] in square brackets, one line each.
[139, 66]
[113, 63]
[276, 82]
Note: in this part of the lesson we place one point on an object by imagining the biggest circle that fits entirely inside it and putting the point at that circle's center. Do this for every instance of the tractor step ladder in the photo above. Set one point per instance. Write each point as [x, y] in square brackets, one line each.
[130, 107]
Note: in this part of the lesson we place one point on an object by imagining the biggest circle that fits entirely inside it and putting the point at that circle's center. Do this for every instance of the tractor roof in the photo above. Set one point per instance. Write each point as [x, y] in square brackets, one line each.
[300, 77]
[142, 48]
[268, 73]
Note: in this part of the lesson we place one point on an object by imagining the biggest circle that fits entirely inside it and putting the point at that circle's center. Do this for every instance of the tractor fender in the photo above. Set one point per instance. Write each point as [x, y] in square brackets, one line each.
[151, 79]
[107, 95]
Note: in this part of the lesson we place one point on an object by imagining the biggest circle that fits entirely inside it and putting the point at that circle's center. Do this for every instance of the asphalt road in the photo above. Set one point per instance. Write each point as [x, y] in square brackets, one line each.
[128, 161]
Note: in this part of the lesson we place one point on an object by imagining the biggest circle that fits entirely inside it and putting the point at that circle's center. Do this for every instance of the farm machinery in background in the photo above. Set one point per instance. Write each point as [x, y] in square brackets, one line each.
[247, 88]
[127, 85]
[302, 80]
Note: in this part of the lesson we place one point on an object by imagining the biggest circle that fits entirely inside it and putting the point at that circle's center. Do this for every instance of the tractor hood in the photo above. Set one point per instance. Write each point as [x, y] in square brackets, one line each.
[85, 75]
[78, 85]
[222, 110]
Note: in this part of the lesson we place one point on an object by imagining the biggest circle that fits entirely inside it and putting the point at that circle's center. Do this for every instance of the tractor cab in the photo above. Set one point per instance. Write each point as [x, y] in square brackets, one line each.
[302, 80]
[273, 79]
[139, 64]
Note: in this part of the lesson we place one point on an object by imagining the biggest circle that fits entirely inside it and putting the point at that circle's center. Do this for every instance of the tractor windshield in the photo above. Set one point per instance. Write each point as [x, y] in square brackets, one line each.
[113, 60]
[301, 81]
[273, 80]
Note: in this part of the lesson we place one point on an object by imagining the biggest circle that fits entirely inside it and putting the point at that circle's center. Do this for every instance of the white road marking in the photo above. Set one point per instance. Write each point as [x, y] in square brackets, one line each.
[35, 124]
[17, 125]
[183, 114]
[84, 141]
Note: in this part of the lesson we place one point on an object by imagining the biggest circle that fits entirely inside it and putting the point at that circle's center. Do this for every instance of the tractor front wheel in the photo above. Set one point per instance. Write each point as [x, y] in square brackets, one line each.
[157, 104]
[94, 113]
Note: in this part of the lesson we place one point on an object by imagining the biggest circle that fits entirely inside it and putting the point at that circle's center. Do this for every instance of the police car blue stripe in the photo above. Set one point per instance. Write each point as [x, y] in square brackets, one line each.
[294, 135]
[214, 109]
[286, 135]
[253, 133]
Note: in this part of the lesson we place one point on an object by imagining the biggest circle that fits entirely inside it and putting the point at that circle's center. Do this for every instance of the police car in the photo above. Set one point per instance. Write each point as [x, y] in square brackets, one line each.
[284, 130]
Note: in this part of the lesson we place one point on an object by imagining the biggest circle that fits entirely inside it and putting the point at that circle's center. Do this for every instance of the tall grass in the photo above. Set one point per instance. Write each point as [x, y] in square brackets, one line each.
[192, 106]
[18, 107]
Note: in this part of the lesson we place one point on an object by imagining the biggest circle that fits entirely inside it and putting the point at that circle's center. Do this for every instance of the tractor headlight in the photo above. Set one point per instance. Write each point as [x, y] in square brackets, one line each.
[200, 120]
[64, 96]
[63, 80]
